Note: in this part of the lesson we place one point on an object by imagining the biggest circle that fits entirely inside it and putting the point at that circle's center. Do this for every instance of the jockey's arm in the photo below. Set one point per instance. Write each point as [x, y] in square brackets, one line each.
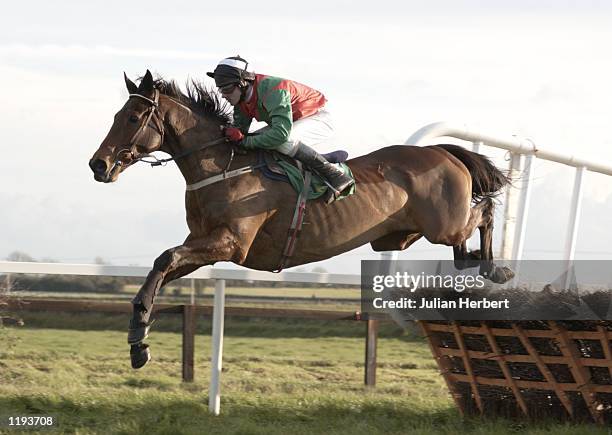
[278, 105]
[241, 121]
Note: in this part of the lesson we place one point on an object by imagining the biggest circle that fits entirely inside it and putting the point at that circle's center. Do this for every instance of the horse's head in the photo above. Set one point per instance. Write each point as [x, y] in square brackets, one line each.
[137, 130]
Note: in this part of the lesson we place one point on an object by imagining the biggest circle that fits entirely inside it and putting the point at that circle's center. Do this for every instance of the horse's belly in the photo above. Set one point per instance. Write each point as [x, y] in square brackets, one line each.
[329, 230]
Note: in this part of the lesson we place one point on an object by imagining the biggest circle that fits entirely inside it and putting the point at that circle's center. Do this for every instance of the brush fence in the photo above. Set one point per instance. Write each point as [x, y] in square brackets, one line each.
[534, 369]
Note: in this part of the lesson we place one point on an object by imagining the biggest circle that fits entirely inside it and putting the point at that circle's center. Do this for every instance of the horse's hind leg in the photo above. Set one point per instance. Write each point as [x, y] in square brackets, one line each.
[488, 269]
[465, 259]
[481, 217]
[397, 241]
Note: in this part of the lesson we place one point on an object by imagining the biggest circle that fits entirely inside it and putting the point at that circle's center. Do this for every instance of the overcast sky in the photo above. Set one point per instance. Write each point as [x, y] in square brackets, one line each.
[387, 70]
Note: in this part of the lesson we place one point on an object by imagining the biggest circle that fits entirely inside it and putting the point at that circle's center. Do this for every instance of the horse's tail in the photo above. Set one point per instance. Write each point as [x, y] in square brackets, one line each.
[487, 179]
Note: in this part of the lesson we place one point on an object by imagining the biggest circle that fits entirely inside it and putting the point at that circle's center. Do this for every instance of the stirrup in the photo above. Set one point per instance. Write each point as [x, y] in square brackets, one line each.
[140, 333]
[333, 194]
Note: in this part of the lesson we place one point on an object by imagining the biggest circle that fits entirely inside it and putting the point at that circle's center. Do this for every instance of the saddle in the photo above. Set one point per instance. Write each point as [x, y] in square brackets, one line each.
[280, 167]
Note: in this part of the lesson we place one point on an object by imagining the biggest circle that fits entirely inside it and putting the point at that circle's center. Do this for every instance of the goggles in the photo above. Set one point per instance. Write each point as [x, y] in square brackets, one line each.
[227, 89]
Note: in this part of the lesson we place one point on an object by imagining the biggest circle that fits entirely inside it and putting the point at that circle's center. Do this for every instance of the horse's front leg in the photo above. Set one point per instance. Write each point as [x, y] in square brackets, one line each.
[172, 264]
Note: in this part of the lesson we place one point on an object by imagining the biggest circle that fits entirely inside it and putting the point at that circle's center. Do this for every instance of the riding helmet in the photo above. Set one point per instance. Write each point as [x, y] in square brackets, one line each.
[231, 70]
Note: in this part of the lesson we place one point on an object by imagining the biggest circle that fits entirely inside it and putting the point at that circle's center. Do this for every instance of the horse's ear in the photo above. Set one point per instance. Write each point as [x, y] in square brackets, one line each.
[131, 86]
[146, 84]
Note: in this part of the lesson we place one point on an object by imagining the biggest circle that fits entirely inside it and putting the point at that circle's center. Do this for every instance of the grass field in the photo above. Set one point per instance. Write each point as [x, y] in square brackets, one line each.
[280, 377]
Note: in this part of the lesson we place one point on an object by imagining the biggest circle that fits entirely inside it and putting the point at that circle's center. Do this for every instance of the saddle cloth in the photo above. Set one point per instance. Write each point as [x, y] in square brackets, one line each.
[277, 166]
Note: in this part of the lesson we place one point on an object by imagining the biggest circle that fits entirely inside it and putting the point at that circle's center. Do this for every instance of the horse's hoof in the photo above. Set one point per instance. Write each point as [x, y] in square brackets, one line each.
[140, 355]
[139, 333]
[501, 275]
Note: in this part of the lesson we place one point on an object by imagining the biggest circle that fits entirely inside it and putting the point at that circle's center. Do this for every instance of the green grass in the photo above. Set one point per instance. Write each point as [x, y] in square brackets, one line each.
[280, 377]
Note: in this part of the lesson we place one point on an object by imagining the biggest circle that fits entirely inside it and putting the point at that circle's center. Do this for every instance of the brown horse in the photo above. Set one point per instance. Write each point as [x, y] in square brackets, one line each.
[403, 193]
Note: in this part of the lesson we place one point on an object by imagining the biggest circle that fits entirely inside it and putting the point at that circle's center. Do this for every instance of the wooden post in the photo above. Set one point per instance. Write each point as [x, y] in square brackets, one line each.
[188, 341]
[370, 352]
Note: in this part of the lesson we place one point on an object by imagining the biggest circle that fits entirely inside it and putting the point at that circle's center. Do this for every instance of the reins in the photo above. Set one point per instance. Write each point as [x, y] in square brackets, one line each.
[153, 114]
[161, 162]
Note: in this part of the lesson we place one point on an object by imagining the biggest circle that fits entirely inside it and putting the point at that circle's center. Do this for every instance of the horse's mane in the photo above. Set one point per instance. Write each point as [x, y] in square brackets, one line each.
[198, 98]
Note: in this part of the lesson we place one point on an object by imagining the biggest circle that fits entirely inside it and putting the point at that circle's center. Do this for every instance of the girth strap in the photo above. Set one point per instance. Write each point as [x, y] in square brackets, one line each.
[296, 223]
[222, 176]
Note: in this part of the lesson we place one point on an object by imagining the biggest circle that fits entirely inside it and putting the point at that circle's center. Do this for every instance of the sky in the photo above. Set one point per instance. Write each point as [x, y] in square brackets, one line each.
[387, 68]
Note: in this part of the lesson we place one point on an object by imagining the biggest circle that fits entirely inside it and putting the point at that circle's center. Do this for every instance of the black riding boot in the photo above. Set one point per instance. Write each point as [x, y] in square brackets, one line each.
[315, 161]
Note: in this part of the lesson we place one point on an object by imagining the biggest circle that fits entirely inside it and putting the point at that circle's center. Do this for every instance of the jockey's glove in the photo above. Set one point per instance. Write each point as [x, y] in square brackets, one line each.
[233, 134]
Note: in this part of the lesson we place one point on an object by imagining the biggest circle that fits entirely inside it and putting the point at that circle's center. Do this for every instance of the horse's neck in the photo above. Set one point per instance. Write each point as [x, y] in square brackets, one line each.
[187, 130]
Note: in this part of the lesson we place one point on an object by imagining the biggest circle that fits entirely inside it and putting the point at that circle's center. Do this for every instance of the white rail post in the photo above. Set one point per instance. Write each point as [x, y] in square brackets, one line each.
[574, 219]
[523, 211]
[510, 209]
[474, 241]
[521, 223]
[389, 256]
[214, 391]
[476, 146]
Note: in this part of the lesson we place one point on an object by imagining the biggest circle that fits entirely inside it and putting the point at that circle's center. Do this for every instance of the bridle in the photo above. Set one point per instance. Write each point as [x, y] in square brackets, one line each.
[152, 114]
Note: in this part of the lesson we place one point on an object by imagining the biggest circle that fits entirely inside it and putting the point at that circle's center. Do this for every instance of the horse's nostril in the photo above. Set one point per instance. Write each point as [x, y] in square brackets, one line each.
[98, 166]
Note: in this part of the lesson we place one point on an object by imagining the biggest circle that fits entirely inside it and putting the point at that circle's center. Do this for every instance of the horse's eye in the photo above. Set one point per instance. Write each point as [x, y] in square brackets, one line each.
[133, 119]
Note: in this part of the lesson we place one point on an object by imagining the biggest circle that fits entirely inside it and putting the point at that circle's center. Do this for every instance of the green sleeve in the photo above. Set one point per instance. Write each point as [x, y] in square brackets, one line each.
[278, 105]
[242, 121]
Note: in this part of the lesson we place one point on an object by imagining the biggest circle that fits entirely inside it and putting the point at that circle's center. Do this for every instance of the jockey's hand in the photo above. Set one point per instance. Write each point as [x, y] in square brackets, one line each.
[233, 134]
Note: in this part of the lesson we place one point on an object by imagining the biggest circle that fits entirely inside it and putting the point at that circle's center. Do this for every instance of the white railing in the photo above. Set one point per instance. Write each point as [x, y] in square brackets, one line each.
[517, 200]
[219, 275]
[202, 273]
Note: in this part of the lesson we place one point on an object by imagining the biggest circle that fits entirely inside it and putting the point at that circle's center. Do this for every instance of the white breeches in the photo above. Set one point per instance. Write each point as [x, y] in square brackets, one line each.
[316, 131]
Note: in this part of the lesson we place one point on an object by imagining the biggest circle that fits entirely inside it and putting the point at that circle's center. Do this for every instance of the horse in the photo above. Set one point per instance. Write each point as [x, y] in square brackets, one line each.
[441, 192]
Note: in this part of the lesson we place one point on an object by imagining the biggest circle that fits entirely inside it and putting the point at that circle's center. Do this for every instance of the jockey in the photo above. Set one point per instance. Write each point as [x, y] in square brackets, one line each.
[295, 115]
